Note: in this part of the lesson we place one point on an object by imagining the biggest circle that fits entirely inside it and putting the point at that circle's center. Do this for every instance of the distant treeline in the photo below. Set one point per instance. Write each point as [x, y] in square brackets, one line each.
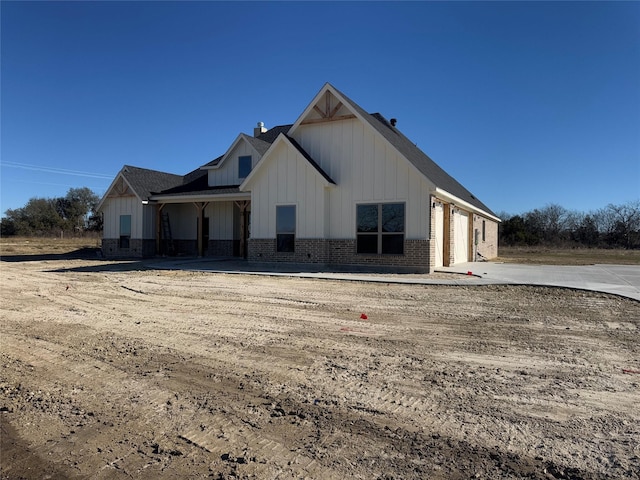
[614, 226]
[73, 214]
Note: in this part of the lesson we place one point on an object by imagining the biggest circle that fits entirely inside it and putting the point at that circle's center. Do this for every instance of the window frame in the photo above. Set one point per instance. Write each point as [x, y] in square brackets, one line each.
[380, 235]
[240, 164]
[285, 235]
[125, 236]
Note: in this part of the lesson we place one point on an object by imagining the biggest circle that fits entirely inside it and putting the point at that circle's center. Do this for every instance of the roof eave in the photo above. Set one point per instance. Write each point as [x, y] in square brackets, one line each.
[444, 195]
[200, 197]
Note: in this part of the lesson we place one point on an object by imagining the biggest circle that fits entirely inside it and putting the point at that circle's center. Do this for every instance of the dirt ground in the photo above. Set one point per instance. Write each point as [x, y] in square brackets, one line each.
[111, 371]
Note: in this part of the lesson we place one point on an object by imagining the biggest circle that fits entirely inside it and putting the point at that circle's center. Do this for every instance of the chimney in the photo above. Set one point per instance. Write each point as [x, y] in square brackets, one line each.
[259, 130]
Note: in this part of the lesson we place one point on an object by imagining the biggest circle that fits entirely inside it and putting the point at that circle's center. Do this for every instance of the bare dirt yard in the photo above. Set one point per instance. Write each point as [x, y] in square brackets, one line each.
[114, 370]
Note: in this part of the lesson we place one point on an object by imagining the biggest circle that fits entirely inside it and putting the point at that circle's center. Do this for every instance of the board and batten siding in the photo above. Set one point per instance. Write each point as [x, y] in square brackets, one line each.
[366, 169]
[221, 224]
[227, 173]
[117, 206]
[289, 180]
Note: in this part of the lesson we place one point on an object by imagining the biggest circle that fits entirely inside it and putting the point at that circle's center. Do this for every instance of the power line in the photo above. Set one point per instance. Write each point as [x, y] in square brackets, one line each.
[59, 171]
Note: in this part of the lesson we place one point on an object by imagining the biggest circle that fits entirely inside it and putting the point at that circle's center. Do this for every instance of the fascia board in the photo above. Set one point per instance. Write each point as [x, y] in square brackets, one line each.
[113, 183]
[201, 198]
[242, 136]
[444, 195]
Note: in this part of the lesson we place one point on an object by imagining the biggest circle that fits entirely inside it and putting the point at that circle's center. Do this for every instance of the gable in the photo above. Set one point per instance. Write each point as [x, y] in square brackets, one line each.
[288, 144]
[249, 145]
[140, 183]
[332, 105]
[325, 107]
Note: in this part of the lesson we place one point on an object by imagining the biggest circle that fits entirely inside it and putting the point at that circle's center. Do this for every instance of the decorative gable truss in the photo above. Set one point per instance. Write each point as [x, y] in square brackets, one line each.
[327, 108]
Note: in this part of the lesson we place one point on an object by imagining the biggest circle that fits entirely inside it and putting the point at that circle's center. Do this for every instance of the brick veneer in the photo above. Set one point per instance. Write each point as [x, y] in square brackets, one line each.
[339, 252]
[489, 247]
[137, 248]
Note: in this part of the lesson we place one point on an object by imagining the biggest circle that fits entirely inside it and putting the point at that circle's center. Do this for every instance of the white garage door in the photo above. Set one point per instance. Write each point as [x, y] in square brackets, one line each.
[461, 237]
[439, 231]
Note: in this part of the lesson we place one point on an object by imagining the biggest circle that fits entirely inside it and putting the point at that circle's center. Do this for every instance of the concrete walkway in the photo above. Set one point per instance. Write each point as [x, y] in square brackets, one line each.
[623, 280]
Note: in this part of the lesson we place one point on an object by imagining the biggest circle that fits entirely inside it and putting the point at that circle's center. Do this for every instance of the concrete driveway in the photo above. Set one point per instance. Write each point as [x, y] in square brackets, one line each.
[621, 280]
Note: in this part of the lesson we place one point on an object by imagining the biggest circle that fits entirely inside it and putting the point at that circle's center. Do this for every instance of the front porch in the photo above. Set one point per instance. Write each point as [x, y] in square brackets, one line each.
[217, 227]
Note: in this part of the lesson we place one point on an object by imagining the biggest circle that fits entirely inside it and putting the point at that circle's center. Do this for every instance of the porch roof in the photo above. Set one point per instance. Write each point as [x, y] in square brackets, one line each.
[208, 194]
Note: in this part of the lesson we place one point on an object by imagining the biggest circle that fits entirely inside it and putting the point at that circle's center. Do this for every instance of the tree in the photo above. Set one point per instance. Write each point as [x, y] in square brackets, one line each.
[38, 217]
[75, 212]
[77, 206]
[623, 224]
[586, 233]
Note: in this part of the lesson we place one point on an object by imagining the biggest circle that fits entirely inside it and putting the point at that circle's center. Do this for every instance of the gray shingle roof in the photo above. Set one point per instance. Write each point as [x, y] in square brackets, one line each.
[261, 143]
[270, 135]
[145, 182]
[417, 157]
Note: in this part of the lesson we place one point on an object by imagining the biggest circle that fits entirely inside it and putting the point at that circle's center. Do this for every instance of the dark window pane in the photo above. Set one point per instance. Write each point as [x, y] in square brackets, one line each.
[393, 244]
[244, 166]
[125, 225]
[286, 219]
[285, 242]
[393, 217]
[367, 244]
[367, 218]
[124, 242]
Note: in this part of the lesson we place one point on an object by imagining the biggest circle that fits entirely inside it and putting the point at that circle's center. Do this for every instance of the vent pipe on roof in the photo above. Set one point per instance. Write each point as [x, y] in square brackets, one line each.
[393, 122]
[259, 130]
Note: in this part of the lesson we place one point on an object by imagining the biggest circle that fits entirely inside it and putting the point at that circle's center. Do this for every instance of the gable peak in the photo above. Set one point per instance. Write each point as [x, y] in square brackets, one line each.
[327, 106]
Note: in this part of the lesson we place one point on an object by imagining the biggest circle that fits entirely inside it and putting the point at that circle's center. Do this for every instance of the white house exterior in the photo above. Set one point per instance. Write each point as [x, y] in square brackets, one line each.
[338, 187]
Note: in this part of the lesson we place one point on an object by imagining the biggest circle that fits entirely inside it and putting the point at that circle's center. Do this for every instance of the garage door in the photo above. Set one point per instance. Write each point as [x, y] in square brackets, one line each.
[439, 234]
[461, 237]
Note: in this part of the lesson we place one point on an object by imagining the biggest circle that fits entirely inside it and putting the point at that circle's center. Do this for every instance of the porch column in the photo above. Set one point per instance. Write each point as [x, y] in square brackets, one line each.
[243, 206]
[158, 226]
[200, 206]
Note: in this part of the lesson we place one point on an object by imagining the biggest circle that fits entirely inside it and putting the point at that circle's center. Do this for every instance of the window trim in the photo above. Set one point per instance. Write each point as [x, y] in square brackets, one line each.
[380, 234]
[288, 233]
[240, 158]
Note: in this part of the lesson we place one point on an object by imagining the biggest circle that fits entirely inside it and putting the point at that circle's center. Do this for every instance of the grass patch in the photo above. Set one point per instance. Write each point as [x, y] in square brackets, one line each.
[39, 246]
[568, 256]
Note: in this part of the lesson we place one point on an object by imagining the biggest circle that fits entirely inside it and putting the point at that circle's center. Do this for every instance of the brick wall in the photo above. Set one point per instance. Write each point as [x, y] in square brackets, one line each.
[138, 248]
[489, 247]
[306, 251]
[219, 248]
[339, 252]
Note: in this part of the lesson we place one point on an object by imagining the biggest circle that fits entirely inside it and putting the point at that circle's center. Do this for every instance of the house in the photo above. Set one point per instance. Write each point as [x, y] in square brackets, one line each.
[340, 186]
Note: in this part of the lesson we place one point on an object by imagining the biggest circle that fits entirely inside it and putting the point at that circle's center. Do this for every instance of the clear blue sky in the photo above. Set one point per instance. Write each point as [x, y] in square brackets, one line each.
[525, 104]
